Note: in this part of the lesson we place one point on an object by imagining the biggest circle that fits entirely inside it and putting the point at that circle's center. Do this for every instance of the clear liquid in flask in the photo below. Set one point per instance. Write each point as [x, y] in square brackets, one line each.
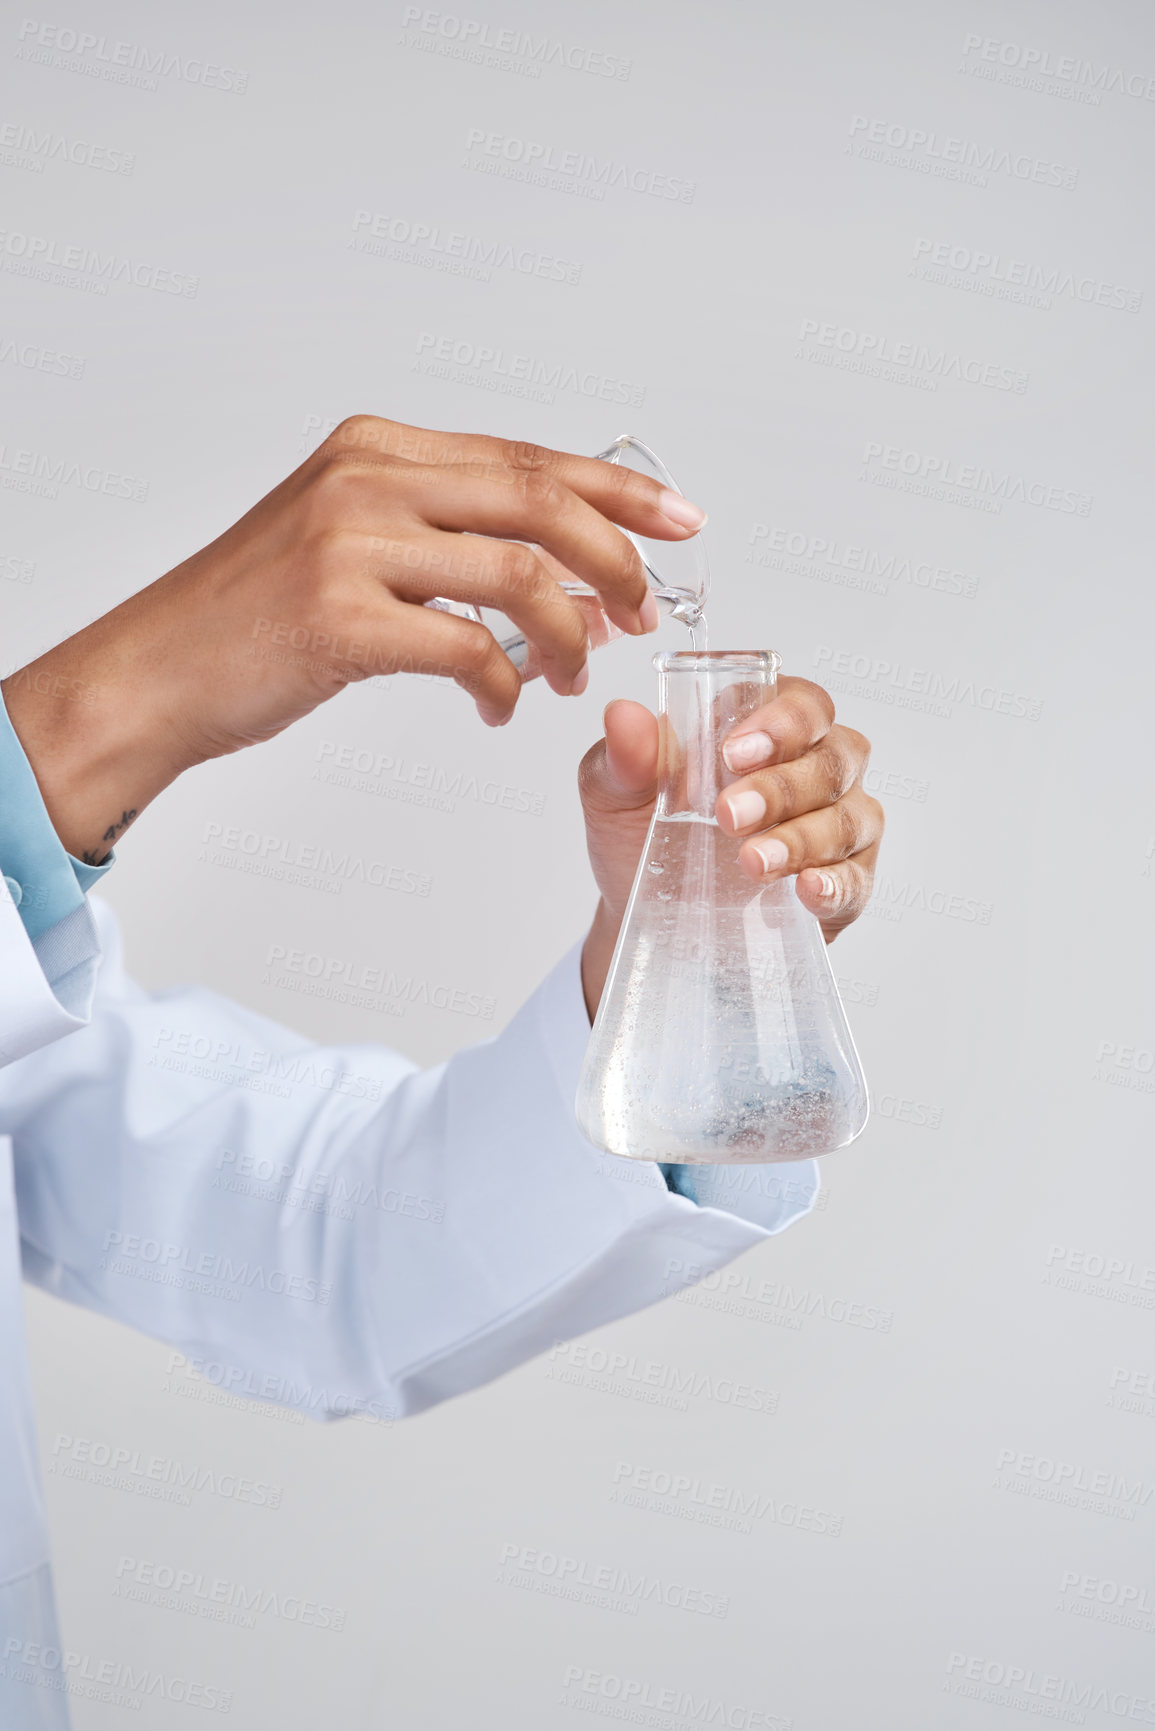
[720, 1037]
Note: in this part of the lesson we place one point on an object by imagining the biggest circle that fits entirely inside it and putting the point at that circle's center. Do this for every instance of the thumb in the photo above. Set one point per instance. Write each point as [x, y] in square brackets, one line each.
[620, 773]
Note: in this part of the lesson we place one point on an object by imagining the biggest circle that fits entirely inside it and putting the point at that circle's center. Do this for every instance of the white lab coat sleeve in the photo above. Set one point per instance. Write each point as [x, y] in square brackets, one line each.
[331, 1227]
[46, 984]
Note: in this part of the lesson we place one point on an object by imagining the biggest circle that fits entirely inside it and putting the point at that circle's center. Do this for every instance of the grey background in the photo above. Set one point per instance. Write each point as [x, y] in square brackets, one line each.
[912, 1332]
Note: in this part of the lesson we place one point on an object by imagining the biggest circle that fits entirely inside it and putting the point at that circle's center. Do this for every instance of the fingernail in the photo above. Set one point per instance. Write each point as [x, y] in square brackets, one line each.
[747, 751]
[581, 681]
[827, 885]
[680, 510]
[772, 853]
[746, 808]
[648, 613]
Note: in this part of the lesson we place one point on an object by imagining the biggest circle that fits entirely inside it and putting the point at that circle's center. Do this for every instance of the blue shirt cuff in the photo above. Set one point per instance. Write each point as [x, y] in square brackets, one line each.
[46, 883]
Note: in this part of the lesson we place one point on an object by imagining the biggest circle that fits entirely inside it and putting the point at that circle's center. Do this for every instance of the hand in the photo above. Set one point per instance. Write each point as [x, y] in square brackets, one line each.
[323, 583]
[800, 808]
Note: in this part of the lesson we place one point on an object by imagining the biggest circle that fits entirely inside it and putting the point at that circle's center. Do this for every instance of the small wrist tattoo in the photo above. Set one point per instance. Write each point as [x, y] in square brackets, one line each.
[110, 835]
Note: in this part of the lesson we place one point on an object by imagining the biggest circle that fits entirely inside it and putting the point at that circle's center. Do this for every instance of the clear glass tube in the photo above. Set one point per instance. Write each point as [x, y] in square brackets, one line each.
[720, 1037]
[678, 571]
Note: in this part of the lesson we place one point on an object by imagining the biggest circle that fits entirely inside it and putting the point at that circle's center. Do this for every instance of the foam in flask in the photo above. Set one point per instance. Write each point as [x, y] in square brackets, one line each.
[720, 1037]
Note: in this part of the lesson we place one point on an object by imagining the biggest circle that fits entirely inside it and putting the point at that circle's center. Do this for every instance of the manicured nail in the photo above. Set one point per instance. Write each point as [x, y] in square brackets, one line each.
[827, 885]
[680, 510]
[746, 808]
[581, 681]
[747, 751]
[648, 613]
[772, 852]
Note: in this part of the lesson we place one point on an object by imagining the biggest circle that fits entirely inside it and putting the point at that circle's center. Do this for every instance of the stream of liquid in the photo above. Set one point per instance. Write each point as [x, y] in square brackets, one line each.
[687, 609]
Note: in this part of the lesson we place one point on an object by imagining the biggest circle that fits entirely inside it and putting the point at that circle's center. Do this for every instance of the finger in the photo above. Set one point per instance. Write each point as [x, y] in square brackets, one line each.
[531, 505]
[839, 893]
[816, 838]
[631, 750]
[638, 502]
[824, 774]
[599, 631]
[440, 645]
[782, 729]
[506, 575]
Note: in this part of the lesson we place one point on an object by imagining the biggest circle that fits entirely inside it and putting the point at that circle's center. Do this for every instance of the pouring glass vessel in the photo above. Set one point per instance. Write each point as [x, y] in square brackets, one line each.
[678, 572]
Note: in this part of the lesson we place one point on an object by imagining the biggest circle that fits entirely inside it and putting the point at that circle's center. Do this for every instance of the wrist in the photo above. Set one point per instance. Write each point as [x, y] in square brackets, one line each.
[597, 953]
[98, 751]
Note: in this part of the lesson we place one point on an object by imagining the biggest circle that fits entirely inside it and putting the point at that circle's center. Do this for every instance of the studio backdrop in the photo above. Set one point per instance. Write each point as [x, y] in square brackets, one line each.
[875, 282]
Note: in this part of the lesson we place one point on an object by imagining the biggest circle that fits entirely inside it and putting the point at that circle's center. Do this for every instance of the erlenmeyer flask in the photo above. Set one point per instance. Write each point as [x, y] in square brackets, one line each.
[720, 1037]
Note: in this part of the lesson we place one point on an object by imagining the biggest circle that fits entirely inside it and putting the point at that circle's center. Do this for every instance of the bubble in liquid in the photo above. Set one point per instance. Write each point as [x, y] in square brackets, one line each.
[655, 868]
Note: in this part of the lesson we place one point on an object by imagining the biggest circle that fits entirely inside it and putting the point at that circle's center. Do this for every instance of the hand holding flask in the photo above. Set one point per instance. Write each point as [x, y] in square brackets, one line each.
[720, 1037]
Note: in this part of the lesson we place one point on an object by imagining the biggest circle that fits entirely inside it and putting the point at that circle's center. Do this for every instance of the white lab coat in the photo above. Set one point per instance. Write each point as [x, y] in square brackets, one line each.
[327, 1227]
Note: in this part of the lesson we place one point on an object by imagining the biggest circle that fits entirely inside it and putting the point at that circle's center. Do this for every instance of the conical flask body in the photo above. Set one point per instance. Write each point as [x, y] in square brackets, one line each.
[720, 1037]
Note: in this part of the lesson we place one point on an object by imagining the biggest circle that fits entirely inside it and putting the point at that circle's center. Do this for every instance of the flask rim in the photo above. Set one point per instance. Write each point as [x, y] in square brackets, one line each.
[765, 662]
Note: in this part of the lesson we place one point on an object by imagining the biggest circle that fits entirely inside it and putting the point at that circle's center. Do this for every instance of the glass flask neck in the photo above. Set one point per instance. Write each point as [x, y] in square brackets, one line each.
[702, 696]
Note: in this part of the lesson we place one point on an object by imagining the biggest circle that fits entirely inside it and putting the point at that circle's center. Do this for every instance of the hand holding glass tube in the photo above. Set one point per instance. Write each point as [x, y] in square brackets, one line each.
[678, 573]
